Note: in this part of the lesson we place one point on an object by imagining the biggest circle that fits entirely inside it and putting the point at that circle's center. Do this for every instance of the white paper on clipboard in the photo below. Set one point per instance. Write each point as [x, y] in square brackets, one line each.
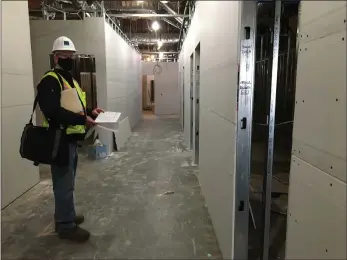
[108, 117]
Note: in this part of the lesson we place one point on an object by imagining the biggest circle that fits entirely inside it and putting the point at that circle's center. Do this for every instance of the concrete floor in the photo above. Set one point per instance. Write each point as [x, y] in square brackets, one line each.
[142, 202]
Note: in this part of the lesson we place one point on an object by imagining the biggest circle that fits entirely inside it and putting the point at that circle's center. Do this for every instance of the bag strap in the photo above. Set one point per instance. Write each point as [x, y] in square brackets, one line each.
[62, 84]
[34, 107]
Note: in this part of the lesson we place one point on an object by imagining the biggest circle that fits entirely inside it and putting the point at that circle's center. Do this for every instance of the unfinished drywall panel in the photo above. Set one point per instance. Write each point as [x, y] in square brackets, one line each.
[17, 174]
[317, 196]
[218, 98]
[0, 98]
[216, 174]
[167, 100]
[321, 96]
[123, 77]
[316, 214]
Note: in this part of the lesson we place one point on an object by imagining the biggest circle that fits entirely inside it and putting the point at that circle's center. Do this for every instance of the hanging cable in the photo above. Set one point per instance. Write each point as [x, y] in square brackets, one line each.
[157, 68]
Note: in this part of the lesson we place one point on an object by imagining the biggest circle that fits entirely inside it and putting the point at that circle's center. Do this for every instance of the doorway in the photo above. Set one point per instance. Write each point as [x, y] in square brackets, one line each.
[265, 125]
[148, 93]
[183, 95]
[191, 91]
[197, 103]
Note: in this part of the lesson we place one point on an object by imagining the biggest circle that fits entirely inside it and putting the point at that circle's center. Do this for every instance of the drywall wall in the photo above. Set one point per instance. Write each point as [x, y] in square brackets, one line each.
[0, 102]
[123, 70]
[118, 67]
[166, 88]
[17, 175]
[218, 90]
[317, 191]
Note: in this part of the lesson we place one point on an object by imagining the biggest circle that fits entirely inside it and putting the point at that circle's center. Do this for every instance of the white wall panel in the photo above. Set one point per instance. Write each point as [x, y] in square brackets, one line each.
[216, 173]
[17, 175]
[1, 103]
[321, 98]
[218, 89]
[317, 192]
[167, 99]
[123, 77]
[316, 214]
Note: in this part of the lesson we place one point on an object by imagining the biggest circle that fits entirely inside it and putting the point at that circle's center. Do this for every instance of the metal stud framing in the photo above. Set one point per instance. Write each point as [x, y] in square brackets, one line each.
[244, 129]
[270, 149]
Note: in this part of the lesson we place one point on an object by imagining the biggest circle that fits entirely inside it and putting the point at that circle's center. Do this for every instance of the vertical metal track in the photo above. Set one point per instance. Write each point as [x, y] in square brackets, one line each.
[270, 149]
[244, 128]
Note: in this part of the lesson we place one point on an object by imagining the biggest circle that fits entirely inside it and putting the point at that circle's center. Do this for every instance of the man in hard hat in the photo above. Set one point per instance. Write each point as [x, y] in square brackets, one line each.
[49, 94]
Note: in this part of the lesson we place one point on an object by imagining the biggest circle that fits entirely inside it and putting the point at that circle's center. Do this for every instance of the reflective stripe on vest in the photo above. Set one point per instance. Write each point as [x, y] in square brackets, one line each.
[78, 129]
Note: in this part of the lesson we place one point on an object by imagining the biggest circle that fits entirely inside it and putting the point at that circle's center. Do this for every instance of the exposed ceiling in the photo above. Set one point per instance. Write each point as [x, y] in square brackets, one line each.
[133, 18]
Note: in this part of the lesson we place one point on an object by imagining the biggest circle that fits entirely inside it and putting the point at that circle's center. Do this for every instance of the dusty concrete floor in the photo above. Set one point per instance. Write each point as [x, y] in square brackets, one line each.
[143, 202]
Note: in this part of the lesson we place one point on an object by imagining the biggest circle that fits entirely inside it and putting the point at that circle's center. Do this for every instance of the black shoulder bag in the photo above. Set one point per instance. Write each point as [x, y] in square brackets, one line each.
[44, 145]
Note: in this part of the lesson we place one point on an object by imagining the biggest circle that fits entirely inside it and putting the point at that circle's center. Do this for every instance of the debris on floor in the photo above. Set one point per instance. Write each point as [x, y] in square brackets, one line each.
[118, 198]
[166, 193]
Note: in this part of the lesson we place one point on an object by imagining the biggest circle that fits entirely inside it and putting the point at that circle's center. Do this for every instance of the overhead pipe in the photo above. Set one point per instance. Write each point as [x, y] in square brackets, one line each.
[153, 41]
[91, 10]
[170, 11]
[145, 11]
[148, 15]
[182, 26]
[157, 52]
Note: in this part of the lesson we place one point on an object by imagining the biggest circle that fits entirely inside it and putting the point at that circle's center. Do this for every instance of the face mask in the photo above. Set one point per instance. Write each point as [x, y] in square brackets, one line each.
[65, 64]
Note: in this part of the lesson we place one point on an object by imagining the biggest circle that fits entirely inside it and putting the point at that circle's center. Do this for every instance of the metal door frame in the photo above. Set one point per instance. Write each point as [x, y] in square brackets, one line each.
[244, 128]
[191, 87]
[183, 95]
[197, 102]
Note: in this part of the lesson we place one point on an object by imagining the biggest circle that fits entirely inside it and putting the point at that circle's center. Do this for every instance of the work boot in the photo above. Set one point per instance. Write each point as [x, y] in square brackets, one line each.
[78, 221]
[75, 234]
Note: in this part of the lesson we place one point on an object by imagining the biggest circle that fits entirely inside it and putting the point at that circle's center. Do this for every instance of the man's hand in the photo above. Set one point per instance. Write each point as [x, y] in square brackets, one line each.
[90, 121]
[97, 111]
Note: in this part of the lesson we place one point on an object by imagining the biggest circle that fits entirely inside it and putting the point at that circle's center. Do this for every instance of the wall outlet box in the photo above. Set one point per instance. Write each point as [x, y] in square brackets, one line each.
[97, 152]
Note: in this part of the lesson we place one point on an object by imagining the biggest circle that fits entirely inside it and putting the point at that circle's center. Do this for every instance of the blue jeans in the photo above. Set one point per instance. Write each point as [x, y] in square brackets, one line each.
[63, 187]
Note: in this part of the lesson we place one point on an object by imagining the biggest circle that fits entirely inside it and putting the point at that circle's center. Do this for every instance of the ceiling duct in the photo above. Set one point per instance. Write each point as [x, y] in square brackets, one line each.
[142, 10]
[151, 39]
[170, 11]
[148, 15]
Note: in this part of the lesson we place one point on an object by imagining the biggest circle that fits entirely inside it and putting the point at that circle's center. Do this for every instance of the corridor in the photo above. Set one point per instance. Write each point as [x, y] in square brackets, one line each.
[142, 202]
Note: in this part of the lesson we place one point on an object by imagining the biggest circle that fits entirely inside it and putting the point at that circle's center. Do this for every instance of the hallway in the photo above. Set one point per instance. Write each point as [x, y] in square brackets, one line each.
[142, 202]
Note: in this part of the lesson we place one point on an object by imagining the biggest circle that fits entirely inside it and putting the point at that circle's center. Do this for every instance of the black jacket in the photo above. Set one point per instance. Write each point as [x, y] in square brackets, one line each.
[49, 93]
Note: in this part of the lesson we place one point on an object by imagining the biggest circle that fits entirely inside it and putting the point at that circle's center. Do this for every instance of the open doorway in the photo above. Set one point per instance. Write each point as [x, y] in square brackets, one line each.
[196, 103]
[277, 186]
[148, 88]
[191, 91]
[182, 96]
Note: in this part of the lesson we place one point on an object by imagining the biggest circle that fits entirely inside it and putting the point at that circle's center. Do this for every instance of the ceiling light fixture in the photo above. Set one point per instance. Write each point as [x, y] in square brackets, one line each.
[155, 26]
[160, 43]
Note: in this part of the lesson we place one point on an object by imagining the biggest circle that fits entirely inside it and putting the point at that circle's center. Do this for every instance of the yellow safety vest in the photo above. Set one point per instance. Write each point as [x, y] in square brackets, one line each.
[77, 129]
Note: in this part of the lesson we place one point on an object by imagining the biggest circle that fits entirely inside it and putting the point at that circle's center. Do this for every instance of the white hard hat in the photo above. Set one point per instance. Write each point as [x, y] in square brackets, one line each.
[63, 44]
